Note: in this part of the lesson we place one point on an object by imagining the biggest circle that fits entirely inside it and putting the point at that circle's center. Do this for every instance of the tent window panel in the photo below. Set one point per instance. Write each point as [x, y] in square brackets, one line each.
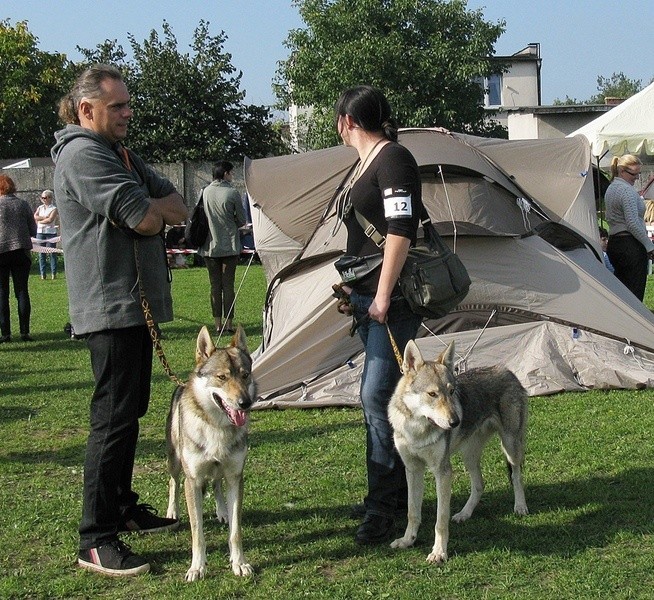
[479, 207]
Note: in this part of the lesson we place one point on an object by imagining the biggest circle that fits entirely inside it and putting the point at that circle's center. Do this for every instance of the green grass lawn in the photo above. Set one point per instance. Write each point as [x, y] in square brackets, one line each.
[589, 478]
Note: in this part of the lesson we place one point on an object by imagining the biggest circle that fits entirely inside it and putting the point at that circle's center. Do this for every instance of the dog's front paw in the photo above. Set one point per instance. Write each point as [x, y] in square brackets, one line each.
[242, 569]
[221, 516]
[461, 516]
[194, 574]
[403, 542]
[521, 509]
[437, 557]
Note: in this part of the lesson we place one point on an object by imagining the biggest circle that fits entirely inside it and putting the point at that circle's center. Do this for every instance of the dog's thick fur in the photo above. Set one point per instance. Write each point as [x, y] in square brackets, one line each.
[206, 437]
[435, 414]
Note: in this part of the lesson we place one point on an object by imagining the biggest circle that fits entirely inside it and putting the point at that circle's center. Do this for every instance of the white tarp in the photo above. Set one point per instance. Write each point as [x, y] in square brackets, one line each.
[628, 128]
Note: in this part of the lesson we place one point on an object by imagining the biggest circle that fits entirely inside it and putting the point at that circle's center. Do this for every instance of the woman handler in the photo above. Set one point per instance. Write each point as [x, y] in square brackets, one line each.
[386, 189]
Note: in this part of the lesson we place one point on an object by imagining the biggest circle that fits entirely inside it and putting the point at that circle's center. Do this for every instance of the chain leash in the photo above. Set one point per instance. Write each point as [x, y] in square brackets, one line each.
[154, 334]
[396, 350]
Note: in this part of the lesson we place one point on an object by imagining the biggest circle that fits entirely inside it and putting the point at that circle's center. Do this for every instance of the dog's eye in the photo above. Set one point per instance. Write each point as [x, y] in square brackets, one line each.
[432, 394]
[222, 377]
[245, 374]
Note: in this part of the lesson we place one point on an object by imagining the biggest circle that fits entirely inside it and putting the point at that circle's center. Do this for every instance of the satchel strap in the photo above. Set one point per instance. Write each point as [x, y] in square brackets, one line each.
[380, 241]
[370, 230]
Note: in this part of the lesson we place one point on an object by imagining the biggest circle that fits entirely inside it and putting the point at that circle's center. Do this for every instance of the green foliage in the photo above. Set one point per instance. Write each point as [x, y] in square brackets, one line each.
[188, 107]
[426, 55]
[616, 86]
[31, 83]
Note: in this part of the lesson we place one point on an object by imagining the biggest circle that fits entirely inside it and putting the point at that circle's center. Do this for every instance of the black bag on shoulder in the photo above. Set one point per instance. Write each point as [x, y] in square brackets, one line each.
[197, 228]
[433, 280]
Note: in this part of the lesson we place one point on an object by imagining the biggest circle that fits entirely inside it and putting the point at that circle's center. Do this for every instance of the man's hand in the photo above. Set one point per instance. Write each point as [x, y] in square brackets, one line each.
[168, 210]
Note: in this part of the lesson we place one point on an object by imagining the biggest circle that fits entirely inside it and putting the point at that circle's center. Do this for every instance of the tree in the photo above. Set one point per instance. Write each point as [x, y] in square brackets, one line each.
[616, 86]
[31, 83]
[188, 106]
[427, 56]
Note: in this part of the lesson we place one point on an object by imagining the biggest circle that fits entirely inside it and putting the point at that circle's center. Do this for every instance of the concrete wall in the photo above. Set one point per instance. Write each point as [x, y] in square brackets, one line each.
[520, 85]
[188, 178]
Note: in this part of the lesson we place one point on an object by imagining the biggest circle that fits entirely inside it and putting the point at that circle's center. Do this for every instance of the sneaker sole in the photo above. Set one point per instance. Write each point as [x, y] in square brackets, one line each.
[113, 572]
[171, 527]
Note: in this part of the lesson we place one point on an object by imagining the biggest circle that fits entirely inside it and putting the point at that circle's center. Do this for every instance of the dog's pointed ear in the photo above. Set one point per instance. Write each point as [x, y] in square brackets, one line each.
[240, 340]
[205, 346]
[412, 358]
[447, 357]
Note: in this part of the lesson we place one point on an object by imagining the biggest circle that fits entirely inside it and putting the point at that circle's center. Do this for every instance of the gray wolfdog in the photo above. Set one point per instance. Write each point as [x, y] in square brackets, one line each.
[435, 414]
[206, 434]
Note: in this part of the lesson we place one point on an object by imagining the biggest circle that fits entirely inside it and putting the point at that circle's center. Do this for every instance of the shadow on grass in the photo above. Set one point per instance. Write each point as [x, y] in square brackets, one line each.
[600, 509]
[9, 414]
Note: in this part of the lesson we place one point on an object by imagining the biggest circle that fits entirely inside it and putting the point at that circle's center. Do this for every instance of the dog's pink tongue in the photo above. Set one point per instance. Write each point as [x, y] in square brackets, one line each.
[238, 417]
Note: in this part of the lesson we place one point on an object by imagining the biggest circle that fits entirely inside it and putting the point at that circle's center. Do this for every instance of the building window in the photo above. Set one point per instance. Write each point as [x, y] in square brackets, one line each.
[493, 90]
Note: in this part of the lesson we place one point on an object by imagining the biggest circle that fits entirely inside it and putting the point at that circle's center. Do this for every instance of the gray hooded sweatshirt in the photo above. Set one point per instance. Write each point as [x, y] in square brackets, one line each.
[100, 201]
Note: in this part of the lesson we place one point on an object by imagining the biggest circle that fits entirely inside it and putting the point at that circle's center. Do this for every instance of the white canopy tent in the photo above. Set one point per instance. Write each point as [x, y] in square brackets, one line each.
[626, 129]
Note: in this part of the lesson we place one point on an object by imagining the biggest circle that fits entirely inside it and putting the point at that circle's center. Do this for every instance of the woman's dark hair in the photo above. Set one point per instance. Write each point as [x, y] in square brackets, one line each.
[369, 109]
[219, 169]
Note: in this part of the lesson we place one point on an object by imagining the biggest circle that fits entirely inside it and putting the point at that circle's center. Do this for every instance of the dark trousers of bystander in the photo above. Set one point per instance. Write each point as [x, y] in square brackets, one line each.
[629, 259]
[121, 360]
[222, 272]
[15, 264]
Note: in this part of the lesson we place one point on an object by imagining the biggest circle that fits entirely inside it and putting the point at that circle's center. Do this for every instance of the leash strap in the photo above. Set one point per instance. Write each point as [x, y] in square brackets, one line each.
[396, 350]
[154, 334]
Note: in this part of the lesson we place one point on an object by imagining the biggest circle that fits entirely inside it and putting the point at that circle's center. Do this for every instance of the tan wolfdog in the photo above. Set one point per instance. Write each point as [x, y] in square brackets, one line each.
[435, 414]
[206, 436]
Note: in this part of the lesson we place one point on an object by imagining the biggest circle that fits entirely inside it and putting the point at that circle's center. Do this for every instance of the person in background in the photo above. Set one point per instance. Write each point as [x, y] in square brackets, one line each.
[604, 240]
[629, 246]
[386, 189]
[175, 240]
[222, 249]
[46, 228]
[17, 228]
[113, 209]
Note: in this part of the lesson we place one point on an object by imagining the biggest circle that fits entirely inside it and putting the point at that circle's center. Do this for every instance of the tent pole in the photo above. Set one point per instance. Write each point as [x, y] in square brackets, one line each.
[600, 208]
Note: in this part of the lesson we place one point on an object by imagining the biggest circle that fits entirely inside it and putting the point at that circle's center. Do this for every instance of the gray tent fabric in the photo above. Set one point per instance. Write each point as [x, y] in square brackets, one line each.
[520, 216]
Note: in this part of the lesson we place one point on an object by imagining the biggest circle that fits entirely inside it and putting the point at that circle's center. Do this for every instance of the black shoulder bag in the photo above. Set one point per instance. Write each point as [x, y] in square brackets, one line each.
[197, 229]
[433, 280]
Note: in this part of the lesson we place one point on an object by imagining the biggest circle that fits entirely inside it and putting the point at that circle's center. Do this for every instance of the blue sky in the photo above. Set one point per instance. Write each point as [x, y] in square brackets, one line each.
[579, 40]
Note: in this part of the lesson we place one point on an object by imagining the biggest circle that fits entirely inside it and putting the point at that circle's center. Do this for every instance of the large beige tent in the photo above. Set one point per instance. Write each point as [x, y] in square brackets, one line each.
[521, 216]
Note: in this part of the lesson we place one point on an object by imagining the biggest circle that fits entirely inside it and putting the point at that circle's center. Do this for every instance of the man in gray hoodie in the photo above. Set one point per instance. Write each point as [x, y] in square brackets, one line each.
[113, 209]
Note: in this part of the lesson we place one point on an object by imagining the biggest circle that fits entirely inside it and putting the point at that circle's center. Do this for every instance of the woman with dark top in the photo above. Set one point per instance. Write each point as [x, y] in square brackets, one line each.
[17, 228]
[386, 189]
[629, 247]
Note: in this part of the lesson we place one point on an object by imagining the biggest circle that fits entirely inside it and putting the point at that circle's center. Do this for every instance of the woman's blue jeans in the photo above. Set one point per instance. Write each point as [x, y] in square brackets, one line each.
[42, 255]
[381, 372]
